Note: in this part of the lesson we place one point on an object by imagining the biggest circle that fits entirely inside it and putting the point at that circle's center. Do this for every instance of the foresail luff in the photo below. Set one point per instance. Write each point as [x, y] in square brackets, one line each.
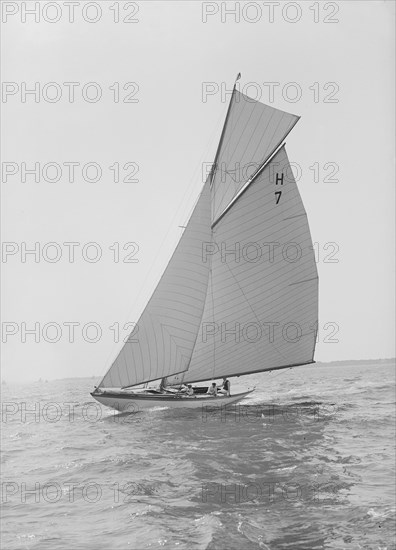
[164, 338]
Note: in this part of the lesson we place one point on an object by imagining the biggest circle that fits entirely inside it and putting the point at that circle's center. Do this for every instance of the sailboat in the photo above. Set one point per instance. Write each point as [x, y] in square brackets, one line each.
[240, 292]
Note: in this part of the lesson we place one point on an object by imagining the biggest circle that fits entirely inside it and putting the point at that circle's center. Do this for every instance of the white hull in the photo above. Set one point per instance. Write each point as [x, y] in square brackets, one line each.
[134, 403]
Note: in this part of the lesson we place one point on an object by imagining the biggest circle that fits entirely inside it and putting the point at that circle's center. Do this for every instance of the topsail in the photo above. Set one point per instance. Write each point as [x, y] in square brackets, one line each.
[252, 132]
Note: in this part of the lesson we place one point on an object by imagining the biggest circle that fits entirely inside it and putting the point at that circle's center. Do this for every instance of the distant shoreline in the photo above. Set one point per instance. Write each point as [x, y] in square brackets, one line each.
[343, 363]
[356, 362]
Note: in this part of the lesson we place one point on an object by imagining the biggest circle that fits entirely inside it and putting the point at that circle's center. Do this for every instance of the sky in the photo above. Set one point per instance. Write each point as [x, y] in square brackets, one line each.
[146, 93]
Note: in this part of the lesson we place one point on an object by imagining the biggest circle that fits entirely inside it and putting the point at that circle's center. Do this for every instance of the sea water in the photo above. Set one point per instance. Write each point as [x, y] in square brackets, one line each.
[306, 462]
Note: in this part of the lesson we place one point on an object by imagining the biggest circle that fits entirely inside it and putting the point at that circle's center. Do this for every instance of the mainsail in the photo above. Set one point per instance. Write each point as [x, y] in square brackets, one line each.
[164, 338]
[262, 304]
[240, 293]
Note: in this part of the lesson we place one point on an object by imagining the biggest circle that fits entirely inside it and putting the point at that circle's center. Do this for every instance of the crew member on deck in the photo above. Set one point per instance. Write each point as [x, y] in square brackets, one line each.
[212, 390]
[226, 389]
[190, 391]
